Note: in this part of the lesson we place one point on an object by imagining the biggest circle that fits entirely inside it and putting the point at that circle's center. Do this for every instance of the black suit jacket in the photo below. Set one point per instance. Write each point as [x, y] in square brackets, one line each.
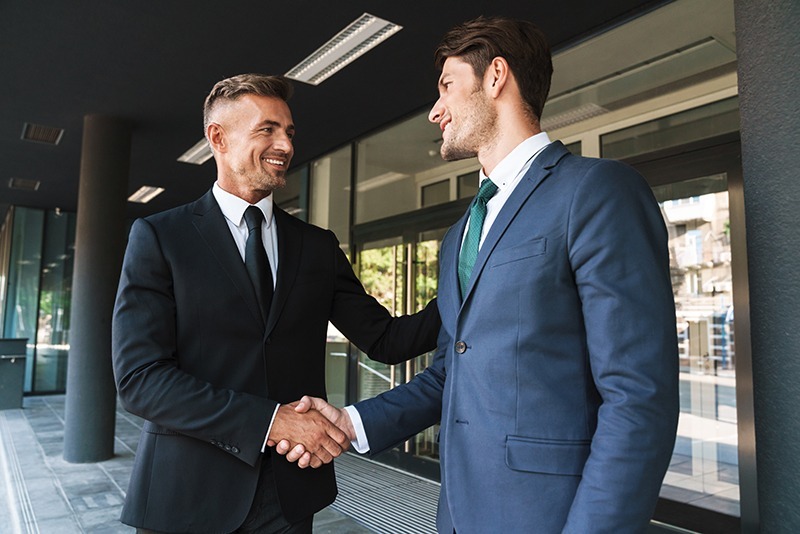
[194, 358]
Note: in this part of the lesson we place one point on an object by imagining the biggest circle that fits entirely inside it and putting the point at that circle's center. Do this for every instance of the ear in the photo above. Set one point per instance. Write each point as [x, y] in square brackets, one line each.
[496, 76]
[215, 135]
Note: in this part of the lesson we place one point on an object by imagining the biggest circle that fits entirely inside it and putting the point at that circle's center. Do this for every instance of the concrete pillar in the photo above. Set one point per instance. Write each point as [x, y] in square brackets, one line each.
[99, 246]
[768, 50]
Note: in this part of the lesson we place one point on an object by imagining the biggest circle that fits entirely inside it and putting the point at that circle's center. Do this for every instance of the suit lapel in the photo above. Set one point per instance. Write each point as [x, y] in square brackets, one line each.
[211, 224]
[541, 167]
[449, 293]
[290, 245]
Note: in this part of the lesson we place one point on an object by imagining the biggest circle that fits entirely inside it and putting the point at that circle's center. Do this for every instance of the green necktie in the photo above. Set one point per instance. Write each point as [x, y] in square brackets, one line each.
[469, 249]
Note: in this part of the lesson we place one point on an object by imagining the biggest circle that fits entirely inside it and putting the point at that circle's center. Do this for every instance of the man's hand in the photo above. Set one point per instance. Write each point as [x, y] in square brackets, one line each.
[321, 440]
[302, 455]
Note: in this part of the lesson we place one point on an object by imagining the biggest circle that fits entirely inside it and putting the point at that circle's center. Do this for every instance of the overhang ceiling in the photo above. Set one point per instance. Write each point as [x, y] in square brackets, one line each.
[152, 63]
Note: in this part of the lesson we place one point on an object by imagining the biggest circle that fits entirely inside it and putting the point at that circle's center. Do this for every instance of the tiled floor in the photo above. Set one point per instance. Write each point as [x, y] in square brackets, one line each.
[42, 493]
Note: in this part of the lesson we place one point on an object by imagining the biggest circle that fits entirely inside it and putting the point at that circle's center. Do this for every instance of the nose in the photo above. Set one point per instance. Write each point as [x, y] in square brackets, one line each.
[283, 142]
[437, 111]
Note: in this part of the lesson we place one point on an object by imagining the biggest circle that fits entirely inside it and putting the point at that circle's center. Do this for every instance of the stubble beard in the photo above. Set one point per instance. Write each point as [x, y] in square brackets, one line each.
[477, 132]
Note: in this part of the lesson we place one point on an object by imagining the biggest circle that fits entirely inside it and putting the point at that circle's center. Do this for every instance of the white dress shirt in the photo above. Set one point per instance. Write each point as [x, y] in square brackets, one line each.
[233, 209]
[506, 176]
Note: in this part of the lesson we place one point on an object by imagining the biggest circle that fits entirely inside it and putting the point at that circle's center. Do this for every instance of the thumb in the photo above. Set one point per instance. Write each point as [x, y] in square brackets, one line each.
[304, 404]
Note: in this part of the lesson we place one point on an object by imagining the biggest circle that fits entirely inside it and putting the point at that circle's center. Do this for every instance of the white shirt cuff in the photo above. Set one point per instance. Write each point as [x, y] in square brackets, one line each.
[360, 444]
[269, 429]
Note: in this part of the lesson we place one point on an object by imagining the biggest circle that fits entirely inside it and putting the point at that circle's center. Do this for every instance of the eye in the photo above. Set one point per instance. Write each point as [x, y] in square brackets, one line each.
[267, 129]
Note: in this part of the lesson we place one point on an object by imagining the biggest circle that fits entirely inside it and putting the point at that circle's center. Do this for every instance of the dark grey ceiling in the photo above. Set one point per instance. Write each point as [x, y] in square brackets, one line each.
[153, 62]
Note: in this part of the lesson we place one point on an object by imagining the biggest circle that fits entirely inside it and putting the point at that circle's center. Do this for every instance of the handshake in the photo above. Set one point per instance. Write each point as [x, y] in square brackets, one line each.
[311, 432]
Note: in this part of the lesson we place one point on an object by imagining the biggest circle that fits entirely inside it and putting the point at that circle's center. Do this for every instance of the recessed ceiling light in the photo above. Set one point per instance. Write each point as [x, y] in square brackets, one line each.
[41, 134]
[198, 154]
[360, 36]
[24, 184]
[145, 194]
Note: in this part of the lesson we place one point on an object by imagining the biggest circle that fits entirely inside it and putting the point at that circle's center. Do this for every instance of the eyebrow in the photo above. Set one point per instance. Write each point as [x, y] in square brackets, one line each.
[269, 122]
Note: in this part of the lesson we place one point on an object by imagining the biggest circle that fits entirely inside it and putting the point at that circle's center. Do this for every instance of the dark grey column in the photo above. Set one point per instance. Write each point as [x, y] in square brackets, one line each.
[99, 246]
[768, 49]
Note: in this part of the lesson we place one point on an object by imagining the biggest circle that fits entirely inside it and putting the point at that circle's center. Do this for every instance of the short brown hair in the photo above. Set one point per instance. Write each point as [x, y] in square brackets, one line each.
[246, 84]
[521, 43]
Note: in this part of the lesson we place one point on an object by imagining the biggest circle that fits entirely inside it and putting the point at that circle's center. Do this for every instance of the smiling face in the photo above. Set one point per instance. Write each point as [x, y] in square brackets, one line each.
[463, 112]
[252, 141]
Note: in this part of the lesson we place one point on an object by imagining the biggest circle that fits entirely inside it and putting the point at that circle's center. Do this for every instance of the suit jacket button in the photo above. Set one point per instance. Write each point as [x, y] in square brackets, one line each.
[235, 450]
[461, 347]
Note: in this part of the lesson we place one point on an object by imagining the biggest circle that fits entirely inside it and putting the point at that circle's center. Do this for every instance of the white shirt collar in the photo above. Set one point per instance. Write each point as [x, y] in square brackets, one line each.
[233, 207]
[510, 167]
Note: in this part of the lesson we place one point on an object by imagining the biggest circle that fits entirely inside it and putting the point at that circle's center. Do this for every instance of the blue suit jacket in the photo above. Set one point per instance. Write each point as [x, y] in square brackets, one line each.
[556, 375]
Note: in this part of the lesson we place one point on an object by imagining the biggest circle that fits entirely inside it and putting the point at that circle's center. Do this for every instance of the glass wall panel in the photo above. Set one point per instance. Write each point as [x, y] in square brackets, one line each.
[20, 318]
[52, 337]
[330, 194]
[293, 198]
[679, 129]
[394, 164]
[704, 469]
[329, 207]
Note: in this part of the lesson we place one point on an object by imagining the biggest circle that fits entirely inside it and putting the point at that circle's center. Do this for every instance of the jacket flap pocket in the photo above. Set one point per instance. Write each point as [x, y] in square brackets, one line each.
[546, 456]
[528, 249]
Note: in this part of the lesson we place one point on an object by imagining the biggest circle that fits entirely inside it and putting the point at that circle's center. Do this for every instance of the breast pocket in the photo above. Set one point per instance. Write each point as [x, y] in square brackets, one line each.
[528, 249]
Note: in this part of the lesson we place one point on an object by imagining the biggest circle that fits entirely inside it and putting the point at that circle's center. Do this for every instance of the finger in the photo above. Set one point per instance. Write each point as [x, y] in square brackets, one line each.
[270, 443]
[296, 453]
[315, 462]
[282, 447]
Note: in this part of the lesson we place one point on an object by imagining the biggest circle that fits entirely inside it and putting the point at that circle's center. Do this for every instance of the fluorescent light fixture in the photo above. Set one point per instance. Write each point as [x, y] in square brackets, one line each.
[361, 36]
[198, 154]
[145, 194]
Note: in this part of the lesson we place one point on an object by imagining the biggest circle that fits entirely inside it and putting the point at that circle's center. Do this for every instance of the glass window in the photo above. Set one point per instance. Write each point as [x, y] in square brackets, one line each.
[394, 164]
[681, 128]
[293, 198]
[468, 184]
[575, 148]
[52, 336]
[329, 207]
[704, 468]
[20, 319]
[330, 194]
[435, 193]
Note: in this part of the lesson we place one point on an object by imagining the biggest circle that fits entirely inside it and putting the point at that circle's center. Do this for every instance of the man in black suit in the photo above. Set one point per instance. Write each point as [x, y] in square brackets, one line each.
[210, 363]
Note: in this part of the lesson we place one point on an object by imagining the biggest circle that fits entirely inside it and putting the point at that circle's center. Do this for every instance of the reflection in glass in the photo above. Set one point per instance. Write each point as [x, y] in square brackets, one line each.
[52, 336]
[704, 468]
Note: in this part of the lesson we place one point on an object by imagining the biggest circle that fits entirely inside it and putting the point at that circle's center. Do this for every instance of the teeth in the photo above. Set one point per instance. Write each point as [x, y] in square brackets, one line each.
[274, 161]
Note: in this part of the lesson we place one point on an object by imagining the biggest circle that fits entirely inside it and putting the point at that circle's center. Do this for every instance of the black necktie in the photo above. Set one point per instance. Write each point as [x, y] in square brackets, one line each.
[256, 260]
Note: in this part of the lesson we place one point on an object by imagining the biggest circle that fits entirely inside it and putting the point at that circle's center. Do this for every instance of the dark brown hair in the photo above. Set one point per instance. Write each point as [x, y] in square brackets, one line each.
[246, 84]
[521, 43]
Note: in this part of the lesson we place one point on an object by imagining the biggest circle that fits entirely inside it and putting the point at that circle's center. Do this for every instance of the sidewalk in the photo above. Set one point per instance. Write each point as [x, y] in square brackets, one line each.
[41, 493]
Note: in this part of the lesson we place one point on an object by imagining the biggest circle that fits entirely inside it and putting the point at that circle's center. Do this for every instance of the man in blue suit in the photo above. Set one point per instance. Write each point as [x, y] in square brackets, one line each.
[556, 374]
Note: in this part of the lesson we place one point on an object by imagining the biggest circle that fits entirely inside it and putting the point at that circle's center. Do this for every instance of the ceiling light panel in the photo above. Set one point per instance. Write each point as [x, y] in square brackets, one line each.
[41, 134]
[24, 184]
[198, 154]
[145, 194]
[359, 37]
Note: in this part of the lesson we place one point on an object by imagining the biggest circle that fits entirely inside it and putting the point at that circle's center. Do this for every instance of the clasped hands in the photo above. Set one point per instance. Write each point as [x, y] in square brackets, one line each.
[311, 432]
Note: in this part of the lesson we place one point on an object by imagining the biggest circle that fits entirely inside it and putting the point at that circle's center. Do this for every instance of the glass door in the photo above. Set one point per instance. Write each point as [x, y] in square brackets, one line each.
[710, 480]
[402, 273]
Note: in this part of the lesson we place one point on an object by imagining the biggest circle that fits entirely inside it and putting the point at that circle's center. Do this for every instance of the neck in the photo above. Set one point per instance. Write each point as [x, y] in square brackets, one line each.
[508, 140]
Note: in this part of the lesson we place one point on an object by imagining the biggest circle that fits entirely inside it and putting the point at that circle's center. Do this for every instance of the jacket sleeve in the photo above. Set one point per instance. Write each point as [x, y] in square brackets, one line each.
[398, 414]
[372, 328]
[617, 246]
[147, 367]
